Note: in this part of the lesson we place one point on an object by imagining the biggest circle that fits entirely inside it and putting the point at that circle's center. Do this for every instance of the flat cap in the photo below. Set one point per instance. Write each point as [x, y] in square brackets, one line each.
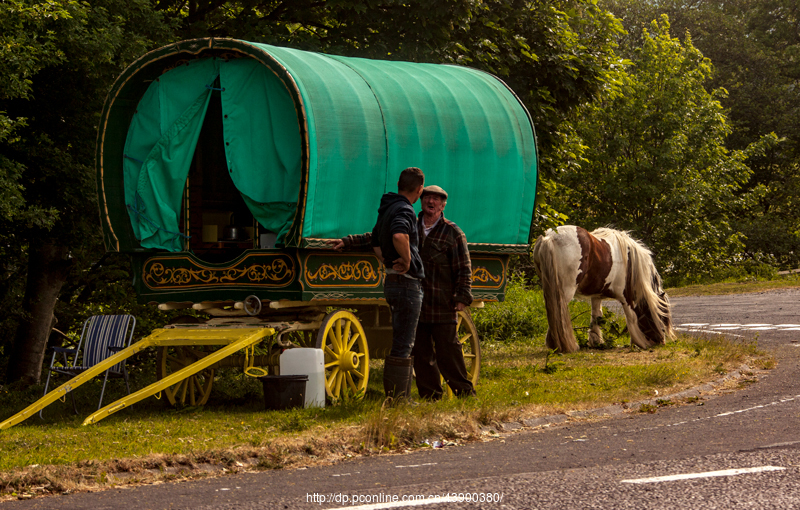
[435, 190]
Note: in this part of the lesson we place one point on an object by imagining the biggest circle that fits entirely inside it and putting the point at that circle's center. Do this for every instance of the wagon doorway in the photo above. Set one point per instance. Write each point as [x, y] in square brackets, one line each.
[218, 224]
[212, 160]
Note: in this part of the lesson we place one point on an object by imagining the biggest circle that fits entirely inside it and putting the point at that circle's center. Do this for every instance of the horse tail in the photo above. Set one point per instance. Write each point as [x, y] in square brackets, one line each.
[645, 283]
[560, 335]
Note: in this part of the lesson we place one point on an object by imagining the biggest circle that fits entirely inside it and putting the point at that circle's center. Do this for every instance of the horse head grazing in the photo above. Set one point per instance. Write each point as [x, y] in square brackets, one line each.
[603, 264]
[647, 299]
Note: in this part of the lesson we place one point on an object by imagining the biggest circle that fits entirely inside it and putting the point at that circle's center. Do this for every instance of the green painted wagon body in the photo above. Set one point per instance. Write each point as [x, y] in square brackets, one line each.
[289, 149]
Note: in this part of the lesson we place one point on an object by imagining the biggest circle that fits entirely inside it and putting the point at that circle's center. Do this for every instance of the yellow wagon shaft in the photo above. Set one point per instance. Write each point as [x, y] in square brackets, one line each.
[233, 339]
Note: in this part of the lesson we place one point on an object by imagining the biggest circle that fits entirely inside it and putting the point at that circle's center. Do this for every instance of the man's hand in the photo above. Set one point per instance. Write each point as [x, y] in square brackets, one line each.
[401, 244]
[460, 307]
[401, 265]
[336, 244]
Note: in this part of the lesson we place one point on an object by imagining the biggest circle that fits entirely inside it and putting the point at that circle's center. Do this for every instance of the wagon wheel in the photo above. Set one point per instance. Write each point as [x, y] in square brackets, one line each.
[468, 337]
[470, 345]
[342, 339]
[195, 389]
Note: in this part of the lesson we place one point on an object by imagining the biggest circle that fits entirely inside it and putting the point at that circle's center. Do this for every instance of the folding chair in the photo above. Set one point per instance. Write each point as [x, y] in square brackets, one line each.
[101, 337]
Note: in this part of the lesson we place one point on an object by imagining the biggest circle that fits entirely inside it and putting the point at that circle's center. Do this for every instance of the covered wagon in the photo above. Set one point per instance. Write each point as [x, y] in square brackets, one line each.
[225, 168]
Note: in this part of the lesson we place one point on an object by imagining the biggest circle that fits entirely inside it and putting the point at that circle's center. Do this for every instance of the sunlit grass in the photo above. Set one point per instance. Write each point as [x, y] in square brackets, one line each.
[519, 378]
[737, 287]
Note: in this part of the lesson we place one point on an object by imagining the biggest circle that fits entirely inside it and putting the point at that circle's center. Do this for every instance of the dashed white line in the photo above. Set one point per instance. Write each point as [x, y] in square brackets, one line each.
[707, 474]
[729, 413]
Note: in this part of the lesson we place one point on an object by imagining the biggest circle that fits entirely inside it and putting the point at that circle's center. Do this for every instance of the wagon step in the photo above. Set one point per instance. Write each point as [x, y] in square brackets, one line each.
[235, 339]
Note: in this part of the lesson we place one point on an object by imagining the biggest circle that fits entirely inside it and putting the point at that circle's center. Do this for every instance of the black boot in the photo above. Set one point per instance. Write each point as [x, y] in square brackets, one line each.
[397, 376]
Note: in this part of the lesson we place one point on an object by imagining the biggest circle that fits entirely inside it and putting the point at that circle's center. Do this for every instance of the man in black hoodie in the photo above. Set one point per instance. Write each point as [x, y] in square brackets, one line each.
[395, 241]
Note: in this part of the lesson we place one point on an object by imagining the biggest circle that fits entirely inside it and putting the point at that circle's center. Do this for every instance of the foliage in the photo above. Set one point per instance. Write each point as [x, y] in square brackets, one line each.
[656, 162]
[755, 48]
[64, 55]
[521, 315]
[26, 47]
[62, 58]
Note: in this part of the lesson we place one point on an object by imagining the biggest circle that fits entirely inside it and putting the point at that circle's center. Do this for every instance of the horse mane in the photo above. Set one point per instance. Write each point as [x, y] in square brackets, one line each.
[645, 280]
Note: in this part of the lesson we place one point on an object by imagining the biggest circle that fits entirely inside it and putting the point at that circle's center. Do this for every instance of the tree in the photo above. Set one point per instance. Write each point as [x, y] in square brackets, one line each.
[555, 53]
[755, 48]
[72, 53]
[655, 159]
[25, 48]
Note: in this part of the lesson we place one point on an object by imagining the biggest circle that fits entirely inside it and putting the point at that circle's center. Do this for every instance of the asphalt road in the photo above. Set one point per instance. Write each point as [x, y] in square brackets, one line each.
[732, 450]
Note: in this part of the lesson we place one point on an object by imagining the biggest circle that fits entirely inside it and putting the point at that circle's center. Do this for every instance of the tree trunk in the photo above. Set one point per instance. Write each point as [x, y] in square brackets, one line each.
[48, 268]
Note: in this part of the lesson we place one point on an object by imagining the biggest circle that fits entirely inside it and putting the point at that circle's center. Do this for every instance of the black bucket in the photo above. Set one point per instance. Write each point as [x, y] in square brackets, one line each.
[284, 391]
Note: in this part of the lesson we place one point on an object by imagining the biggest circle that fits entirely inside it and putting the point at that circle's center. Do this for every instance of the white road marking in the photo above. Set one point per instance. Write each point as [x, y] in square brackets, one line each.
[708, 474]
[398, 504]
[779, 445]
[418, 465]
[722, 415]
[725, 328]
[707, 332]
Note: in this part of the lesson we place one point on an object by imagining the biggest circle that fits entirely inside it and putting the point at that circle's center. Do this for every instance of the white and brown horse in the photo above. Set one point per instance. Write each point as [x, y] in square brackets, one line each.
[600, 265]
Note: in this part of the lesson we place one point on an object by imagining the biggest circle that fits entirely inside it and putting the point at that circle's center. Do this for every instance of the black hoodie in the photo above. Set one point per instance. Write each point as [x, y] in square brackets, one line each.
[397, 216]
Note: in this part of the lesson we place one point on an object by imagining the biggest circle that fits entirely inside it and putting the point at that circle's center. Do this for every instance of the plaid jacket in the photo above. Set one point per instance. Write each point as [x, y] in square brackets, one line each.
[448, 270]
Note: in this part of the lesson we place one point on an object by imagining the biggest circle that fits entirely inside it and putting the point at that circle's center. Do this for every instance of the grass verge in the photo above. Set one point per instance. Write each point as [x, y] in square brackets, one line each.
[519, 380]
[737, 287]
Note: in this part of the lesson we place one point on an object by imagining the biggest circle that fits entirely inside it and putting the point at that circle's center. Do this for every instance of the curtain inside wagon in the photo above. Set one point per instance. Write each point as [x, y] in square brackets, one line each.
[262, 142]
[159, 148]
[261, 138]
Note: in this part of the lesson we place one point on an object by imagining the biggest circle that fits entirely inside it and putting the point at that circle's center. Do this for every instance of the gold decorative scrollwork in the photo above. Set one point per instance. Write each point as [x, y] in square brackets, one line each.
[483, 275]
[361, 270]
[278, 271]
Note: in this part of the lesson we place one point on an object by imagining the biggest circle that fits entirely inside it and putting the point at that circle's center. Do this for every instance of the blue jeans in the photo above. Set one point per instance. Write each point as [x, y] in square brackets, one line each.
[404, 296]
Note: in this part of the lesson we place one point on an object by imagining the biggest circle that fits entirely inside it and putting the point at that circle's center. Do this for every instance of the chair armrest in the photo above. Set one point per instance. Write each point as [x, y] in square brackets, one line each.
[64, 350]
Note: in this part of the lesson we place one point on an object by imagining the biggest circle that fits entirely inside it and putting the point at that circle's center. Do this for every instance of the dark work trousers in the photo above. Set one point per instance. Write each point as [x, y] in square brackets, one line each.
[437, 350]
[404, 296]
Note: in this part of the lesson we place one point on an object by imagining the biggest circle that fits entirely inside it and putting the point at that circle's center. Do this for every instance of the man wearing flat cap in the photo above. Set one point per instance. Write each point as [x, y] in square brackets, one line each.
[447, 289]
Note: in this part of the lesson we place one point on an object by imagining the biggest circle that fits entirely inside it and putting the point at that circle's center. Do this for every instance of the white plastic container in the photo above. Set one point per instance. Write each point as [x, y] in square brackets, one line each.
[310, 362]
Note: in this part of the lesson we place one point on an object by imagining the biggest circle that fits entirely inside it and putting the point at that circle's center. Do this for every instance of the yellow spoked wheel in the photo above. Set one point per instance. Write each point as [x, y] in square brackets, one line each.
[342, 339]
[470, 346]
[192, 391]
[468, 337]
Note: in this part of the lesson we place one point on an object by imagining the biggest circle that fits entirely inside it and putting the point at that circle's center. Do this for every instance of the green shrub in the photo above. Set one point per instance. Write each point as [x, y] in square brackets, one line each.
[521, 315]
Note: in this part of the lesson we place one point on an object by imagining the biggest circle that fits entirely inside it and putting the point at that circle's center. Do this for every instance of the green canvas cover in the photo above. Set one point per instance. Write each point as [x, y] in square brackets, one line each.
[312, 150]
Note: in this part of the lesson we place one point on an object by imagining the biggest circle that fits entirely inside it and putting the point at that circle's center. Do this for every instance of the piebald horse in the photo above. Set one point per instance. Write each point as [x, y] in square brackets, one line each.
[599, 265]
